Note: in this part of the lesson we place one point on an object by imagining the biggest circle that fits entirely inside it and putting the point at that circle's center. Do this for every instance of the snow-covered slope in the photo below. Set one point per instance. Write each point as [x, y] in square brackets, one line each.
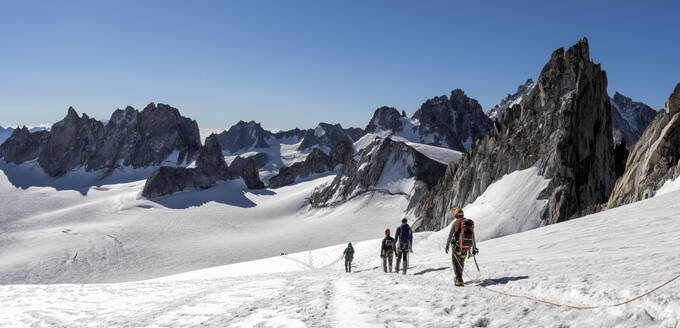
[439, 154]
[66, 231]
[599, 259]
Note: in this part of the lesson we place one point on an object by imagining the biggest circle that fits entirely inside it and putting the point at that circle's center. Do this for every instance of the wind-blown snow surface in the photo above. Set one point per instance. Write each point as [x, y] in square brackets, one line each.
[109, 233]
[509, 205]
[599, 259]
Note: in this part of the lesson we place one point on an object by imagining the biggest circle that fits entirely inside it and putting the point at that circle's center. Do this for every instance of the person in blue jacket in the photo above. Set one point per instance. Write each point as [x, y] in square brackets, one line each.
[403, 240]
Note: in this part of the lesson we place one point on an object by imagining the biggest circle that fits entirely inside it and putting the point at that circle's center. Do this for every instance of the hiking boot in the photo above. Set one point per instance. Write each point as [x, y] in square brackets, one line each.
[460, 283]
[403, 272]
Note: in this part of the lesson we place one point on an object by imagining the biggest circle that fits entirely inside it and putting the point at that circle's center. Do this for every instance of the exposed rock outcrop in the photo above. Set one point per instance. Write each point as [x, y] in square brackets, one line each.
[653, 160]
[210, 168]
[131, 138]
[316, 162]
[510, 100]
[261, 159]
[251, 175]
[326, 136]
[455, 122]
[72, 144]
[23, 145]
[564, 127]
[385, 118]
[381, 166]
[244, 135]
[630, 118]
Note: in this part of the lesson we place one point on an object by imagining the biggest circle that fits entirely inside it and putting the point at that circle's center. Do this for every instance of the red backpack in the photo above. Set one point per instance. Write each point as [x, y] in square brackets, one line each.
[466, 237]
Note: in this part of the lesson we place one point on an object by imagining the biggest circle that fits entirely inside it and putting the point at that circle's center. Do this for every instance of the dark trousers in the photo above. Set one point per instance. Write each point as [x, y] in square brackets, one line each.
[458, 257]
[387, 261]
[402, 253]
[348, 265]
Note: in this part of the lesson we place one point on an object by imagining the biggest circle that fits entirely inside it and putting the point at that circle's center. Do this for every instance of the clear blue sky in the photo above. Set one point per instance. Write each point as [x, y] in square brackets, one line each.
[295, 63]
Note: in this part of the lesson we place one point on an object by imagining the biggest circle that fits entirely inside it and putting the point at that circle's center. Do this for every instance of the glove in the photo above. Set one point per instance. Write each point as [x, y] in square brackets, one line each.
[475, 251]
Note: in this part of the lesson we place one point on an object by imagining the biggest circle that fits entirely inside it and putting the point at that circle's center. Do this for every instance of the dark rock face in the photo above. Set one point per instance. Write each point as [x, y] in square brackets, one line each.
[210, 160]
[620, 158]
[23, 145]
[564, 127]
[294, 134]
[168, 180]
[342, 153]
[382, 156]
[251, 175]
[210, 168]
[630, 118]
[72, 143]
[454, 122]
[239, 162]
[653, 160]
[316, 162]
[131, 138]
[510, 100]
[327, 136]
[244, 136]
[385, 118]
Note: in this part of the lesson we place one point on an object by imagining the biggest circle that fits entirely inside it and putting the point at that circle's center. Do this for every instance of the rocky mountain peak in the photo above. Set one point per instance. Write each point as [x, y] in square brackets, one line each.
[653, 160]
[563, 127]
[326, 136]
[629, 118]
[454, 122]
[379, 166]
[131, 138]
[244, 135]
[385, 118]
[210, 159]
[673, 103]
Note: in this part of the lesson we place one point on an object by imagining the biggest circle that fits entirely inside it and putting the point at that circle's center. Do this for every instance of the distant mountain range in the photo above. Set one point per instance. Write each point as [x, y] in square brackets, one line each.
[564, 126]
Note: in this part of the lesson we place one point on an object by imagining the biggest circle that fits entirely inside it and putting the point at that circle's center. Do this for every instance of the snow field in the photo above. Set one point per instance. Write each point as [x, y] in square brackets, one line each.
[111, 234]
[596, 260]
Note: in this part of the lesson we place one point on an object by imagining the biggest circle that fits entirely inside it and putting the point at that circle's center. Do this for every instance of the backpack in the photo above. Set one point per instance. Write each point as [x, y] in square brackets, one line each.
[404, 234]
[349, 253]
[466, 237]
[389, 244]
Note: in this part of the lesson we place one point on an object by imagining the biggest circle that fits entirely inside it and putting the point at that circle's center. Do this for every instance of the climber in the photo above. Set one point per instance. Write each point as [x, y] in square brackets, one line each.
[387, 251]
[402, 241]
[349, 255]
[462, 237]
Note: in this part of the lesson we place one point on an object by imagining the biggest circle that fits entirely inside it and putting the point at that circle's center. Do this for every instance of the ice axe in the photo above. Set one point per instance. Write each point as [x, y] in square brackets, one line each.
[474, 257]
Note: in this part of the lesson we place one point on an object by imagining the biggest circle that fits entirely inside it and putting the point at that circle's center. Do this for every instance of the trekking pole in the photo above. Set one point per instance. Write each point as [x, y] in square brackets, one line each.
[477, 265]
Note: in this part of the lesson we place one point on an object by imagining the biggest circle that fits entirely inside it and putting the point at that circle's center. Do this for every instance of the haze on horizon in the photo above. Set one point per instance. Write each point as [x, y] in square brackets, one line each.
[294, 66]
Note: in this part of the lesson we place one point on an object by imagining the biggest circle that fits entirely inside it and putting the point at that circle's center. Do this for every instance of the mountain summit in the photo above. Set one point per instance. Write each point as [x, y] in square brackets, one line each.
[563, 128]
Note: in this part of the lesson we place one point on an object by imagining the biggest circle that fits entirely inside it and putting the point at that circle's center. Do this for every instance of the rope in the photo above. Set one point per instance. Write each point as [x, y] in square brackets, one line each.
[576, 307]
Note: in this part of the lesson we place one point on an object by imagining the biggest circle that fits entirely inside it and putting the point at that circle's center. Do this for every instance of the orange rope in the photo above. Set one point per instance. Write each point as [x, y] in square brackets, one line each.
[577, 307]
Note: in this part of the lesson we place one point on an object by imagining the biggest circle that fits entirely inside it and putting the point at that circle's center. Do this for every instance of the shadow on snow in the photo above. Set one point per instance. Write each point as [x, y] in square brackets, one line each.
[232, 193]
[29, 174]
